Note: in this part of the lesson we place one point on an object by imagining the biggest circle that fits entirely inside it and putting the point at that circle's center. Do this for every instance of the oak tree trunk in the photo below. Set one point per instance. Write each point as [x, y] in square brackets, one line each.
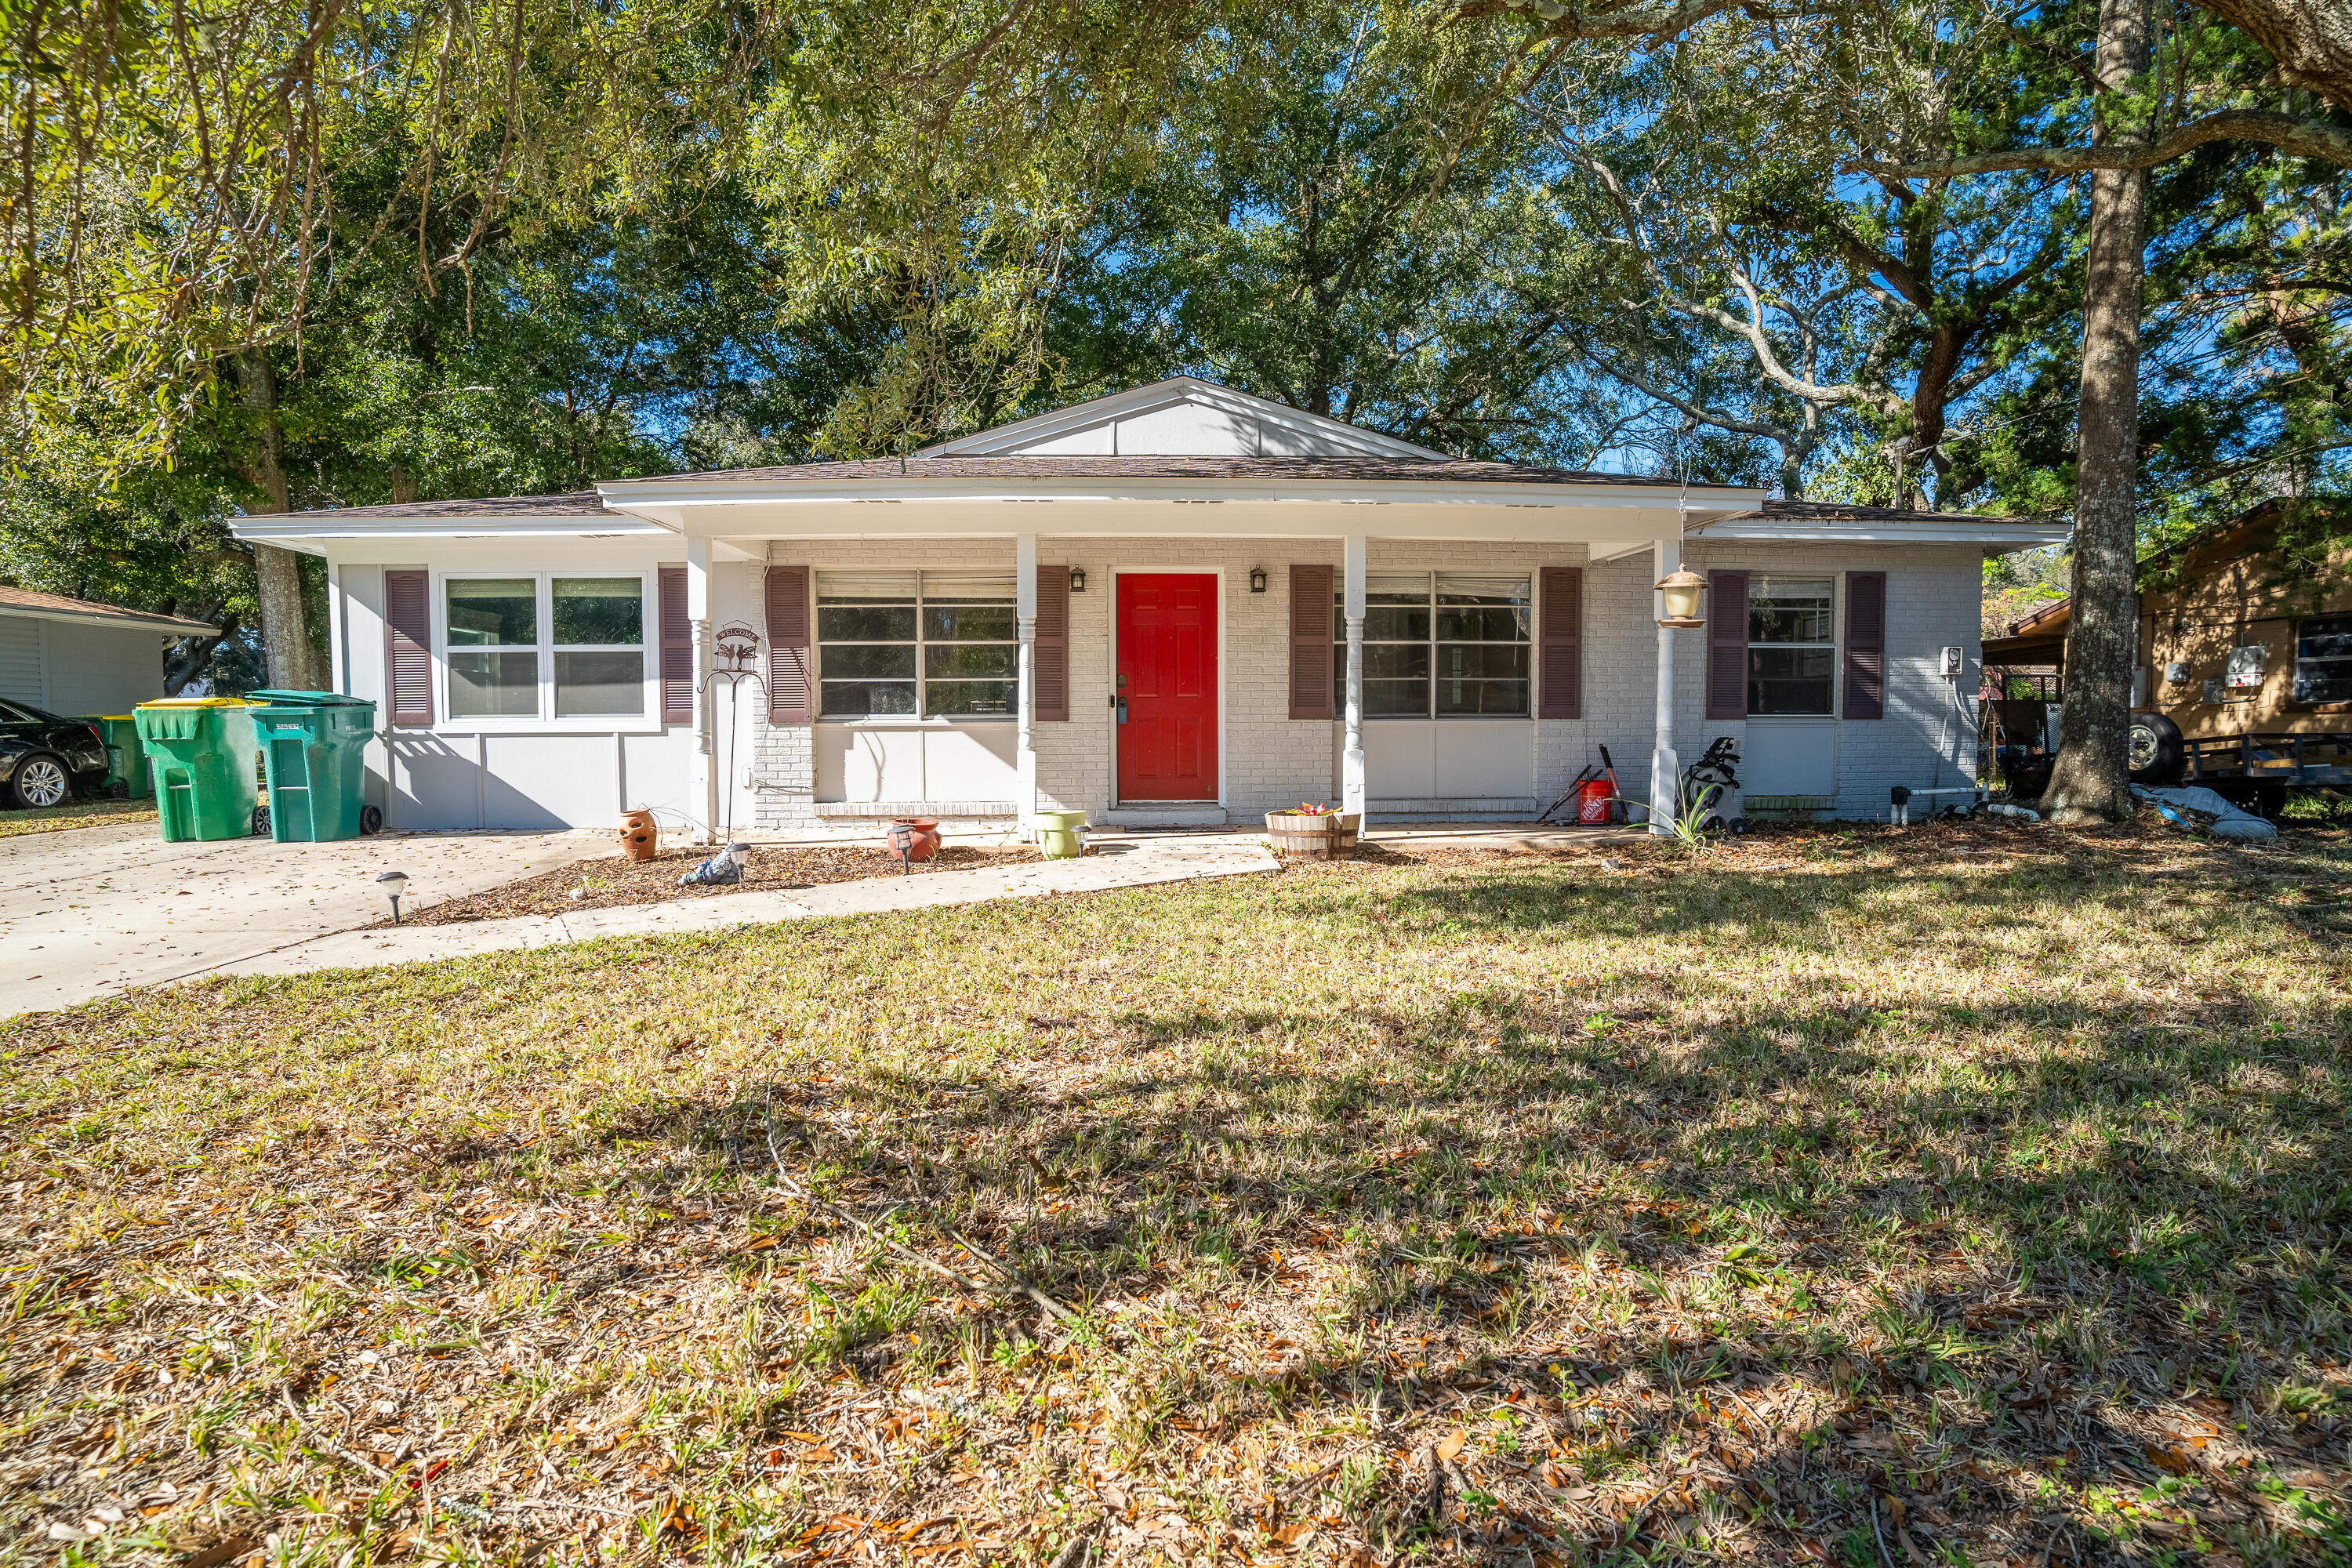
[2091, 780]
[291, 657]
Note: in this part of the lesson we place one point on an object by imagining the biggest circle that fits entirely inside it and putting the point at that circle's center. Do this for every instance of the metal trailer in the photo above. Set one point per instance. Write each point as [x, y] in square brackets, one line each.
[2254, 772]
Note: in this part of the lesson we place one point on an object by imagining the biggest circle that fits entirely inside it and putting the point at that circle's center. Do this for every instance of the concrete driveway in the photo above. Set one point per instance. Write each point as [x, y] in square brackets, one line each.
[87, 911]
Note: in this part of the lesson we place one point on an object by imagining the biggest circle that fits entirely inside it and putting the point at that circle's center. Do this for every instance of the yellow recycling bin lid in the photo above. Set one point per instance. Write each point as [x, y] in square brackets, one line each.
[198, 702]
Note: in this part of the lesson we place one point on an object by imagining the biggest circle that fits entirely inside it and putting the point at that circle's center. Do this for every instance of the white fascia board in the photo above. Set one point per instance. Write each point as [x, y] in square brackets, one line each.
[151, 626]
[298, 530]
[670, 502]
[1177, 389]
[1992, 533]
[1575, 524]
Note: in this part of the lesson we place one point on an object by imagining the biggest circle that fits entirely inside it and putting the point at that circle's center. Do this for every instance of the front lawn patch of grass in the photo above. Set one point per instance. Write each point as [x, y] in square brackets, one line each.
[75, 813]
[1974, 1194]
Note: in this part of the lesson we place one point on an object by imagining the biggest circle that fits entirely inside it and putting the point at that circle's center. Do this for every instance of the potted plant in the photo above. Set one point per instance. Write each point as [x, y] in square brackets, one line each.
[1313, 832]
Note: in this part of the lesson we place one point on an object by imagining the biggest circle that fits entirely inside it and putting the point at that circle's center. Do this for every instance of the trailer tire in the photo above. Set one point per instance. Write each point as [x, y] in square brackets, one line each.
[2156, 752]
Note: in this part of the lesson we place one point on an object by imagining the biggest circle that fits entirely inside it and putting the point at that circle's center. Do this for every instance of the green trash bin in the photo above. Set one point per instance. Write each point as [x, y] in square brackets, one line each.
[313, 752]
[126, 759]
[200, 753]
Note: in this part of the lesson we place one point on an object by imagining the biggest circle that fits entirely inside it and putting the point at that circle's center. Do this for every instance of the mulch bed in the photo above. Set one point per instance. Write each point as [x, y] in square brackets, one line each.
[617, 882]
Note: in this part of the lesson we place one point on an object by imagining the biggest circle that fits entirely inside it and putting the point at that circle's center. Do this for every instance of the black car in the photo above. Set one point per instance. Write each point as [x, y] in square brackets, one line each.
[45, 760]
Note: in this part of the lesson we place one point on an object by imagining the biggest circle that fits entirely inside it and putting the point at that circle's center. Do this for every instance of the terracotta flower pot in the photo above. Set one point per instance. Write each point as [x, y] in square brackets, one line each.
[639, 838]
[925, 842]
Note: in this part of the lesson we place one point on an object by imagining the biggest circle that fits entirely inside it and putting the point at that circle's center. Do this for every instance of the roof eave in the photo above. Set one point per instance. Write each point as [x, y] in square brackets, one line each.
[155, 625]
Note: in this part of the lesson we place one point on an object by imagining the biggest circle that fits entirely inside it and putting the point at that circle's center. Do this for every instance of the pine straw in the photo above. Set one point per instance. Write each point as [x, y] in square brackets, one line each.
[613, 882]
[1842, 1197]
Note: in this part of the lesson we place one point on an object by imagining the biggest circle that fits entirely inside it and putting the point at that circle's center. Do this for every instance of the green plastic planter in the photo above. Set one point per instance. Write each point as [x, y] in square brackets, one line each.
[1061, 835]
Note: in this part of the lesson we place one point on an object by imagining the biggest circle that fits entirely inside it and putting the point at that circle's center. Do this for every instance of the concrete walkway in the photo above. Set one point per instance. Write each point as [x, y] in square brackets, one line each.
[1132, 864]
[87, 911]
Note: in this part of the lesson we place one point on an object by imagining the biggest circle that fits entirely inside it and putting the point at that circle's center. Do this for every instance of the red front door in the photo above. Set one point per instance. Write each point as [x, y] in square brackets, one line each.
[1168, 685]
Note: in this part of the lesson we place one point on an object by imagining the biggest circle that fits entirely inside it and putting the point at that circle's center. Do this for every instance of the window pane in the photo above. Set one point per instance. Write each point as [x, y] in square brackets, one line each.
[968, 623]
[968, 588]
[866, 587]
[599, 684]
[856, 699]
[849, 661]
[493, 612]
[2324, 681]
[1396, 607]
[1391, 661]
[865, 624]
[1462, 624]
[992, 659]
[2322, 666]
[599, 610]
[1788, 679]
[1490, 661]
[2329, 638]
[494, 685]
[1394, 623]
[1474, 588]
[950, 697]
[1789, 610]
[1488, 698]
[1393, 699]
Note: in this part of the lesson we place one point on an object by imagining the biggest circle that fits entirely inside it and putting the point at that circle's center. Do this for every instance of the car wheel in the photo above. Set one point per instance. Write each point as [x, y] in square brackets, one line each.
[2155, 750]
[41, 781]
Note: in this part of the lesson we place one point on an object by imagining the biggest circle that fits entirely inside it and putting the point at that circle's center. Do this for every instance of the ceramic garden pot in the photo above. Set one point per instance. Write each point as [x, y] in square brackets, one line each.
[923, 845]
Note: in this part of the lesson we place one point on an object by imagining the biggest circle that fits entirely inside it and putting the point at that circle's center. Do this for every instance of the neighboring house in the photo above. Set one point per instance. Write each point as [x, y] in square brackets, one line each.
[2234, 639]
[1148, 606]
[72, 656]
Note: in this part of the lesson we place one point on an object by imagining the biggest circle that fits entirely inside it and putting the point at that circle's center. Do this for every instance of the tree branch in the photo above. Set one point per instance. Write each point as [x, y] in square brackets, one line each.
[1628, 21]
[2304, 138]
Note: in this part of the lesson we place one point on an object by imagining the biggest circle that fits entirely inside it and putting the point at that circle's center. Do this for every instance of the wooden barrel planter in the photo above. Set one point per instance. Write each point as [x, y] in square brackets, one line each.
[1331, 837]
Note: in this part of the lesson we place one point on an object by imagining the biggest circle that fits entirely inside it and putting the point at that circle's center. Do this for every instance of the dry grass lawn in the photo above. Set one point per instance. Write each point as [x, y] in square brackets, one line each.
[1974, 1195]
[75, 813]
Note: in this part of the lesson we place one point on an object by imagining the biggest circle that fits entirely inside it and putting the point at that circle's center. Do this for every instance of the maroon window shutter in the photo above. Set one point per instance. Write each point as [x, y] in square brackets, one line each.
[1865, 645]
[1727, 645]
[790, 696]
[677, 649]
[1560, 626]
[1310, 642]
[408, 645]
[1051, 671]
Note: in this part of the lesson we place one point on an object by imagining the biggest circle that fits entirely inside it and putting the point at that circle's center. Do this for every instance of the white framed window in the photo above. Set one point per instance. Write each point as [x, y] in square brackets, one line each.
[1791, 645]
[937, 645]
[1440, 644]
[546, 646]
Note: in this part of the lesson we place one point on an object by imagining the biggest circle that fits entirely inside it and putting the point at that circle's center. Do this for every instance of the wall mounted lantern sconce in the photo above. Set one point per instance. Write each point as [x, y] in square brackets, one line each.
[1077, 579]
[1257, 579]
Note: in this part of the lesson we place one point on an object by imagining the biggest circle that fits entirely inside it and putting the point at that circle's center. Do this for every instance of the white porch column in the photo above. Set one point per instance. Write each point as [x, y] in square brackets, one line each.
[1351, 764]
[1665, 766]
[1024, 610]
[697, 616]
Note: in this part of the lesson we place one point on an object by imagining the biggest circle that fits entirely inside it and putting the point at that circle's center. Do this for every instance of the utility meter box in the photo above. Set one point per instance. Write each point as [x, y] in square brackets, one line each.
[1952, 662]
[2245, 667]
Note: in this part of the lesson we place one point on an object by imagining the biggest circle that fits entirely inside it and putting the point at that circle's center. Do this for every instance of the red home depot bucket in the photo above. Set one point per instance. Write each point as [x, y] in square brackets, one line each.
[1592, 802]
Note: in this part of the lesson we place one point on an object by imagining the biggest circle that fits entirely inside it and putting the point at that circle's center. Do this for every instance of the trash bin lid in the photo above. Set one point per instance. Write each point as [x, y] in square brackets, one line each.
[312, 698]
[197, 702]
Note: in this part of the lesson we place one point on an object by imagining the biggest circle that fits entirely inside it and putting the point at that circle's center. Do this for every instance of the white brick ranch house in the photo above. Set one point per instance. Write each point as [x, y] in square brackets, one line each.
[1177, 603]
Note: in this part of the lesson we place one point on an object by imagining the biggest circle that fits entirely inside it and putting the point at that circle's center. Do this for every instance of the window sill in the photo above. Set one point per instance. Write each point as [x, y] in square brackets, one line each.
[619, 725]
[914, 722]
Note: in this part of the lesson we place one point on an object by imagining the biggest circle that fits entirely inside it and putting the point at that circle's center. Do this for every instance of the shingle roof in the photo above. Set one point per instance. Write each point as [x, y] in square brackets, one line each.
[58, 604]
[1072, 466]
[572, 504]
